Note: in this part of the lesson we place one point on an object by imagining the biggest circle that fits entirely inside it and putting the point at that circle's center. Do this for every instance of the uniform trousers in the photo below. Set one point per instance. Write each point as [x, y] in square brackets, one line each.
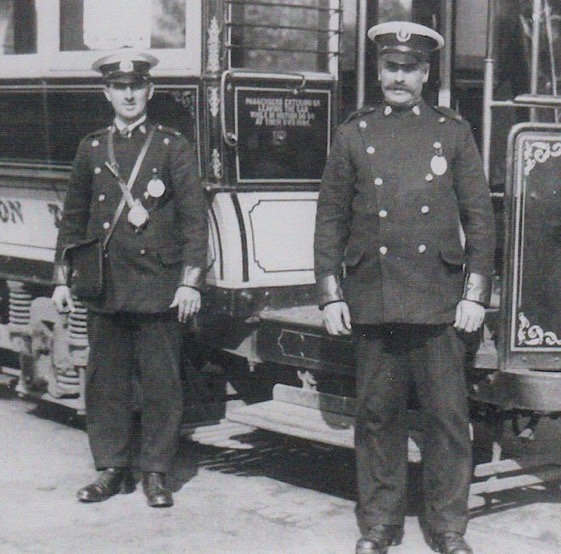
[390, 360]
[125, 347]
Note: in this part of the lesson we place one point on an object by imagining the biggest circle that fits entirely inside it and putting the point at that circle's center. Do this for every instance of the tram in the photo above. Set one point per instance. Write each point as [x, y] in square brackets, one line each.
[258, 86]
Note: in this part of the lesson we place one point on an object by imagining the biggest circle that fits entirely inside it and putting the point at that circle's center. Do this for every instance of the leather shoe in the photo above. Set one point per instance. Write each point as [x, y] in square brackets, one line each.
[111, 481]
[379, 538]
[449, 542]
[157, 494]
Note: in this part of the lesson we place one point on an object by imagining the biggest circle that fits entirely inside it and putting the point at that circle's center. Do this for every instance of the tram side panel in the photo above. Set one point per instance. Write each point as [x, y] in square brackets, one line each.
[260, 250]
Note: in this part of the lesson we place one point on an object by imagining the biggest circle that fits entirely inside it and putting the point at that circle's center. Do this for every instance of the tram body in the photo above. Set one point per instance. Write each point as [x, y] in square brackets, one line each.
[258, 86]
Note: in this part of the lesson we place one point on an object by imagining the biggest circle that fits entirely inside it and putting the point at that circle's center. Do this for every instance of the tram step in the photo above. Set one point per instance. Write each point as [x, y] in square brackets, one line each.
[221, 435]
[307, 414]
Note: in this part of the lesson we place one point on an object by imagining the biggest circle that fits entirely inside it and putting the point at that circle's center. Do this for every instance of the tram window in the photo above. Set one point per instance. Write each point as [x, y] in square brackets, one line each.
[18, 27]
[395, 10]
[471, 30]
[281, 36]
[107, 24]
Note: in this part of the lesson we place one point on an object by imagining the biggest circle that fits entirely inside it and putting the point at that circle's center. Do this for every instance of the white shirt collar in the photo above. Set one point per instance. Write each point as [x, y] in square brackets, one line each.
[121, 125]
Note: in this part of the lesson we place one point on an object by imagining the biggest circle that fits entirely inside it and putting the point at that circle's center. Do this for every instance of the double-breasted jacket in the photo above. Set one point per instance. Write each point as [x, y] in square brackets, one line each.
[142, 269]
[396, 191]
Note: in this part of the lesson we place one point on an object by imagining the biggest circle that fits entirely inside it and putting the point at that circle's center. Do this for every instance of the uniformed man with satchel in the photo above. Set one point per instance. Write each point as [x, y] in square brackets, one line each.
[400, 181]
[132, 245]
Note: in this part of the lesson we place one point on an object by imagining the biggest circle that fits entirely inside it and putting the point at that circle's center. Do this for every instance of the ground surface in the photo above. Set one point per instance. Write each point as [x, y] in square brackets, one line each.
[280, 496]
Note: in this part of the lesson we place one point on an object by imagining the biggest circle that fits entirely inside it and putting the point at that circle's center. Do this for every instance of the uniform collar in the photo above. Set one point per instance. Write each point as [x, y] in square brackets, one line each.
[414, 110]
[126, 130]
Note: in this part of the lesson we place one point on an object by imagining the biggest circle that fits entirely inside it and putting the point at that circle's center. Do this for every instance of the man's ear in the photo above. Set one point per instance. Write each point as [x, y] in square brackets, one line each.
[106, 92]
[427, 71]
[150, 90]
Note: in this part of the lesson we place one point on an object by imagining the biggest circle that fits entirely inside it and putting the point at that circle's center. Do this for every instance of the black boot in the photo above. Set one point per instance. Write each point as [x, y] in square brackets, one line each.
[157, 494]
[449, 542]
[110, 482]
[379, 538]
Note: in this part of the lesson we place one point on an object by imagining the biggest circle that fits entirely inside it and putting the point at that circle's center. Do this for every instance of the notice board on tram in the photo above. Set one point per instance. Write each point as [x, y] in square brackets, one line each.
[283, 135]
[532, 292]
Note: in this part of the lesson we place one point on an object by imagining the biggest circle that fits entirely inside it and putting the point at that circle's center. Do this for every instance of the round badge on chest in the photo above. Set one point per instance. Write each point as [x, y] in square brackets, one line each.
[137, 216]
[438, 165]
[156, 188]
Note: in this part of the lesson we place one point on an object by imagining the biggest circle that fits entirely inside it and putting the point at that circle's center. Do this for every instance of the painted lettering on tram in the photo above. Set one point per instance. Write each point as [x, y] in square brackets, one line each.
[11, 211]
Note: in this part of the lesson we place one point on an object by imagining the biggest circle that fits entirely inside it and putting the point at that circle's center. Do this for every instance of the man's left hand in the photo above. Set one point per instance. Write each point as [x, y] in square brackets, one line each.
[187, 300]
[469, 316]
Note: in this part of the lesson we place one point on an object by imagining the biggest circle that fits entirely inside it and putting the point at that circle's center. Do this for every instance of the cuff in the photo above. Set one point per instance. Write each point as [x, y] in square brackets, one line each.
[329, 290]
[477, 288]
[191, 277]
[60, 274]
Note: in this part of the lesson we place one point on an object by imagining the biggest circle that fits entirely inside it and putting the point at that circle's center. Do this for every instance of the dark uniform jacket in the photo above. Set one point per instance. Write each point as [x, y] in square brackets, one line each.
[394, 190]
[144, 269]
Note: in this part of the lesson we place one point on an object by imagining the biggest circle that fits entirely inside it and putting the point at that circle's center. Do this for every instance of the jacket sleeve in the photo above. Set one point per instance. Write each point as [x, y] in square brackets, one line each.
[191, 207]
[477, 218]
[333, 217]
[76, 211]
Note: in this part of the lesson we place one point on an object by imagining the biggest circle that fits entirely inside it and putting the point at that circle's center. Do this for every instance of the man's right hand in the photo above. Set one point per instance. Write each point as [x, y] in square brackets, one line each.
[62, 299]
[337, 318]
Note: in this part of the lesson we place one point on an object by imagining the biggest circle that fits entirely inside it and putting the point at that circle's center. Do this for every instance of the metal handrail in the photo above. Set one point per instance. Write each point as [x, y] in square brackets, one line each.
[282, 5]
[273, 49]
[277, 27]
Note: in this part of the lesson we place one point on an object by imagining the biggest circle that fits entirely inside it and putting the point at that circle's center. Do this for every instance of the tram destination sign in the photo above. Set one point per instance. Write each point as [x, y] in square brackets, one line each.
[283, 134]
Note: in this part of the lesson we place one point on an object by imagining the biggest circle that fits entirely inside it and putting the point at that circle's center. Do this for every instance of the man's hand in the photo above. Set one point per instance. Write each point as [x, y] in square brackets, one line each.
[62, 299]
[187, 300]
[337, 318]
[469, 316]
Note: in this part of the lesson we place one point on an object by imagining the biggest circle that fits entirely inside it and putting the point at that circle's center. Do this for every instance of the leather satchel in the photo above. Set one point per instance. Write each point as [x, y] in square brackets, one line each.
[86, 268]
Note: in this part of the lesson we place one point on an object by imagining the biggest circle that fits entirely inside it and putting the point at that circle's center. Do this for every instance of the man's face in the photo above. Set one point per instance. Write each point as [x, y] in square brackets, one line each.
[402, 83]
[129, 100]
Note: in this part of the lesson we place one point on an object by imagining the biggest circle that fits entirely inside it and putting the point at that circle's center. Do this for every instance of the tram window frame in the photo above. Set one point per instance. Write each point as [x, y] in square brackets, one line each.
[328, 37]
[24, 21]
[179, 61]
[50, 61]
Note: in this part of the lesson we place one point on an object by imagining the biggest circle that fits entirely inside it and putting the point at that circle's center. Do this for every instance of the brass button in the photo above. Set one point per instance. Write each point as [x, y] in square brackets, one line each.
[97, 170]
[362, 124]
[437, 145]
[95, 143]
[383, 250]
[388, 110]
[371, 150]
[429, 177]
[425, 209]
[106, 225]
[101, 197]
[421, 248]
[383, 213]
[142, 251]
[378, 181]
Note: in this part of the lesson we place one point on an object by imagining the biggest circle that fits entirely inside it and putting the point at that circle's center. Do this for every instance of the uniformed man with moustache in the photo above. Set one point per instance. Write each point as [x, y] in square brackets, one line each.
[401, 179]
[138, 182]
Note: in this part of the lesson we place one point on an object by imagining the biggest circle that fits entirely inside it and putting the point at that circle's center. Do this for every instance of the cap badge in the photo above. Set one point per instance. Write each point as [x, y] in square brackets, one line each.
[403, 35]
[126, 66]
